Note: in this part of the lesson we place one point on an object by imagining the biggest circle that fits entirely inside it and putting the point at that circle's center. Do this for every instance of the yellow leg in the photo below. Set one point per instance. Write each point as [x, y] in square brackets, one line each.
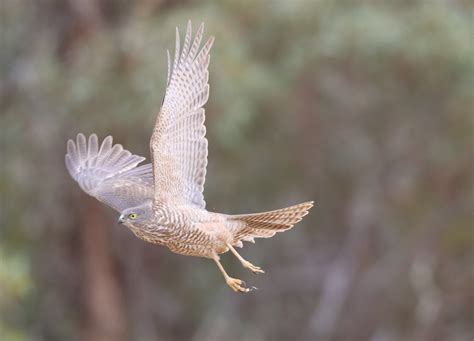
[235, 284]
[245, 263]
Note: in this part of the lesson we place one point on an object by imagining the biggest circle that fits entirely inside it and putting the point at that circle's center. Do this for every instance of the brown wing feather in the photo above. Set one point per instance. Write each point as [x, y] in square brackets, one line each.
[109, 173]
[178, 144]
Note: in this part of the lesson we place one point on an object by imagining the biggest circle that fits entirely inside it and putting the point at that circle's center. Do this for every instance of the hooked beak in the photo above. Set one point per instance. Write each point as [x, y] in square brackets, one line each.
[121, 219]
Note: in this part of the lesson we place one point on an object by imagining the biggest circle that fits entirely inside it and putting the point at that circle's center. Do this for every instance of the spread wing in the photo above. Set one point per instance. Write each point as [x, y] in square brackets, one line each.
[178, 144]
[109, 173]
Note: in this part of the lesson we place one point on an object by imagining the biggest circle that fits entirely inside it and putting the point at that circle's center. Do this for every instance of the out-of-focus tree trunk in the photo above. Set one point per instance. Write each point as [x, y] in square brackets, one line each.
[362, 216]
[105, 316]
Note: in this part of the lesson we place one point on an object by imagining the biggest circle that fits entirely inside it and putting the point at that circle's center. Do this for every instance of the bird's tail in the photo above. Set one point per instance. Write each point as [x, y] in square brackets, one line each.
[266, 224]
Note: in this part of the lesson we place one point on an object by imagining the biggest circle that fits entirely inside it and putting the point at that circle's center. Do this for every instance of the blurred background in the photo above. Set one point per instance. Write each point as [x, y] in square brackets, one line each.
[364, 107]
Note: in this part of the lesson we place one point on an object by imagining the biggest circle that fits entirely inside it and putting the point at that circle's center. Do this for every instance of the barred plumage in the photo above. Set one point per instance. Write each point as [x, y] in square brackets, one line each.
[163, 202]
[110, 173]
[266, 224]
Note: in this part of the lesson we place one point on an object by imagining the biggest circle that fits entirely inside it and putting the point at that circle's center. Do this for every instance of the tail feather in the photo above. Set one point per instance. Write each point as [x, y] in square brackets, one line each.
[266, 224]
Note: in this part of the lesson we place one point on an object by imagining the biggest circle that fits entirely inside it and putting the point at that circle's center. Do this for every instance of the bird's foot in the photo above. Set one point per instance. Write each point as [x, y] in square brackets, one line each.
[236, 284]
[255, 269]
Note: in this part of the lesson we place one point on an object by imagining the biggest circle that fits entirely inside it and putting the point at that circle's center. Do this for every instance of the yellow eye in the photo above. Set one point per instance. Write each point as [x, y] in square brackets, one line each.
[133, 216]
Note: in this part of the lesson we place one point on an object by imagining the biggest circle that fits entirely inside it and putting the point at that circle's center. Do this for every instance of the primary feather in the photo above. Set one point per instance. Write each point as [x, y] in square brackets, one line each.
[109, 173]
[178, 144]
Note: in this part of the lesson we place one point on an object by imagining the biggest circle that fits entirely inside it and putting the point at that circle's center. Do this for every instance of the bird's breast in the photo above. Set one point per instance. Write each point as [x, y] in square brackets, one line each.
[187, 232]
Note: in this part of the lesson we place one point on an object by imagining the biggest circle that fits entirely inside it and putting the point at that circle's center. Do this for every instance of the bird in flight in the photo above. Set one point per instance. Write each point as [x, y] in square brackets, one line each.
[162, 202]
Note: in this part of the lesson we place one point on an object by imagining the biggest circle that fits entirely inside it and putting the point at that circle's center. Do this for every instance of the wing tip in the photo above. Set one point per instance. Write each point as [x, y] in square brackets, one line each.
[81, 140]
[83, 154]
[210, 41]
[70, 142]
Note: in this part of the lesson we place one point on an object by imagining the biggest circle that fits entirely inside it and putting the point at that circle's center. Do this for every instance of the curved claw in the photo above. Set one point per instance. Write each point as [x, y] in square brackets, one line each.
[255, 269]
[237, 285]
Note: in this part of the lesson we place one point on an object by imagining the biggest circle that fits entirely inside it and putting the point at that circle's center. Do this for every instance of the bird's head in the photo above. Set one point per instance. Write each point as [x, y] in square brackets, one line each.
[136, 216]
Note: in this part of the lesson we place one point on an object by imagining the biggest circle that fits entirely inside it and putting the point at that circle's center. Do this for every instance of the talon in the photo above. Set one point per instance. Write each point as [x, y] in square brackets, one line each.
[255, 269]
[236, 285]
